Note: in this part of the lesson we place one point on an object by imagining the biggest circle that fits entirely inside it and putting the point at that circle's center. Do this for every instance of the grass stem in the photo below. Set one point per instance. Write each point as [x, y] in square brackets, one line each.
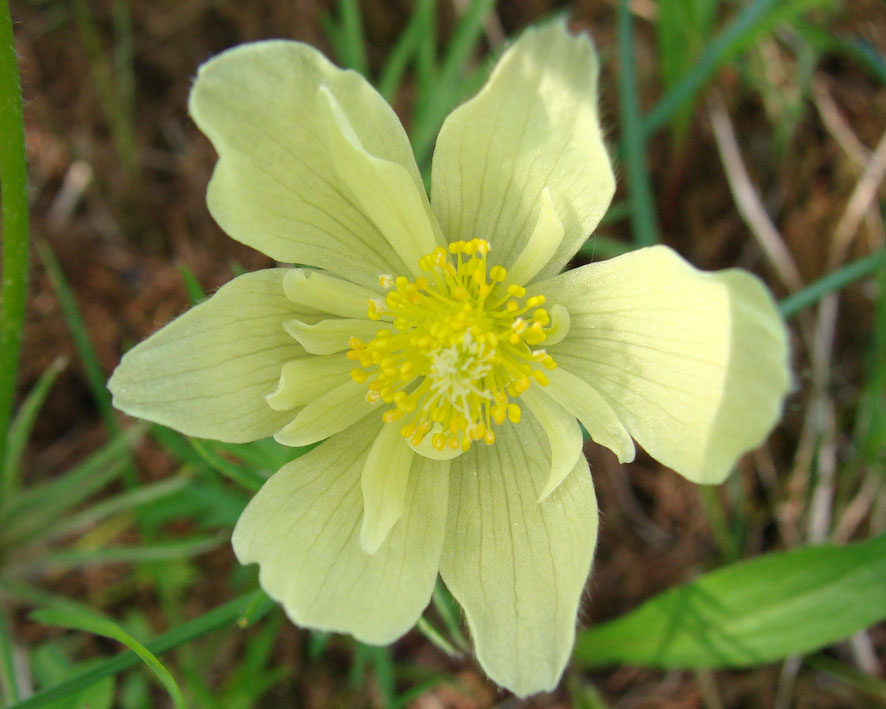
[14, 197]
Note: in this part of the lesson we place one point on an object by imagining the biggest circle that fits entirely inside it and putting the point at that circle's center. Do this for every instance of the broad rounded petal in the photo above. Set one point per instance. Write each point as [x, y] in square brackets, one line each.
[330, 336]
[207, 372]
[564, 435]
[534, 126]
[384, 481]
[516, 565]
[304, 379]
[383, 190]
[330, 413]
[596, 415]
[303, 529]
[314, 289]
[275, 186]
[544, 240]
[694, 364]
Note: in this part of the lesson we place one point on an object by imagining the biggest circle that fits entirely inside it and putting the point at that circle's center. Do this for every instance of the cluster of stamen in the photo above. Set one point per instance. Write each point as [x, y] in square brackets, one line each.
[462, 348]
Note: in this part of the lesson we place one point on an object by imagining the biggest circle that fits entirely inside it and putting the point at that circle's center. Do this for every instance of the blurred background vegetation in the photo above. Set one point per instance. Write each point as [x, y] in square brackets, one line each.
[746, 133]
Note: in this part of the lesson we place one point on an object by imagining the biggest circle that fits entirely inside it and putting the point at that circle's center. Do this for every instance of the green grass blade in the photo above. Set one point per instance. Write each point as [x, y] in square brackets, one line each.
[856, 48]
[67, 558]
[216, 619]
[436, 637]
[14, 198]
[639, 186]
[36, 510]
[875, 688]
[834, 281]
[404, 49]
[76, 619]
[192, 285]
[8, 679]
[426, 56]
[716, 52]
[20, 430]
[113, 96]
[750, 613]
[449, 87]
[352, 43]
[239, 474]
[603, 247]
[127, 501]
[95, 377]
[870, 432]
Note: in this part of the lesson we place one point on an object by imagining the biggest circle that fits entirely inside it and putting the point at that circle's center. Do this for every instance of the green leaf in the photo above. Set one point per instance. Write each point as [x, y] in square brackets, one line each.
[89, 622]
[750, 613]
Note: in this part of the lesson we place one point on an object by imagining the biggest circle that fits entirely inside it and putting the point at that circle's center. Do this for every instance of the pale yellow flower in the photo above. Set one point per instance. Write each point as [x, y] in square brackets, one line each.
[438, 350]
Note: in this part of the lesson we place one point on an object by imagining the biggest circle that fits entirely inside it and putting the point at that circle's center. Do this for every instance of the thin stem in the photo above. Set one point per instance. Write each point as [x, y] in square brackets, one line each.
[14, 197]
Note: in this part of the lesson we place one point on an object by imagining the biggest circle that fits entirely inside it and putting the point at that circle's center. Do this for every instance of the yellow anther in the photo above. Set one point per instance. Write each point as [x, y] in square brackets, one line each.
[455, 356]
[376, 307]
[497, 274]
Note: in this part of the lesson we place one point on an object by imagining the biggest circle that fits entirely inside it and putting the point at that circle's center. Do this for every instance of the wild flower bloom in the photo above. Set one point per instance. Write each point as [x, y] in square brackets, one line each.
[435, 346]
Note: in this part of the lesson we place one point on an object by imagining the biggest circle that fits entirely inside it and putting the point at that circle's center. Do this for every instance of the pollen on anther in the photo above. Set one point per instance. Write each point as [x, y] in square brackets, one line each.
[459, 351]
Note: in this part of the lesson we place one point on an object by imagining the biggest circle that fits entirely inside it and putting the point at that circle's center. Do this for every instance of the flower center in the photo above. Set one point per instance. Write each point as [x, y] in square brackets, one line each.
[463, 347]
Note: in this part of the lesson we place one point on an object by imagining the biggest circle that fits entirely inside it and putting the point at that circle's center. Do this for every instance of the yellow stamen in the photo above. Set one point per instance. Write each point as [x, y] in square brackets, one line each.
[461, 350]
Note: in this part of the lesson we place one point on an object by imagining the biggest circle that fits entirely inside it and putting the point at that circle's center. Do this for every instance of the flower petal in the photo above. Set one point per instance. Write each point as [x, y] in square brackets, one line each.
[303, 529]
[562, 431]
[518, 566]
[544, 240]
[310, 288]
[208, 371]
[275, 187]
[596, 415]
[533, 126]
[695, 364]
[330, 413]
[384, 482]
[330, 336]
[383, 190]
[307, 378]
